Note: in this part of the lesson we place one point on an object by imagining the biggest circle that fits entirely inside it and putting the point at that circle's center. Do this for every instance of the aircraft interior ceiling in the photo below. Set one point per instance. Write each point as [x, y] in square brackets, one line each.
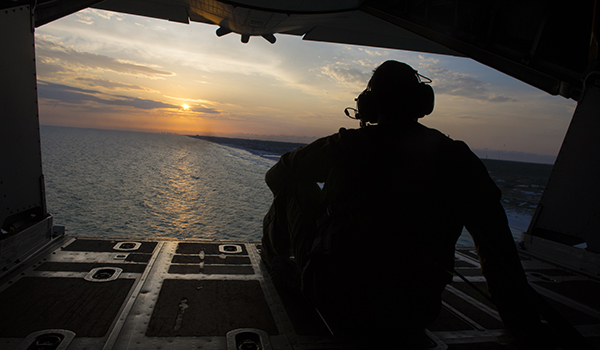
[547, 44]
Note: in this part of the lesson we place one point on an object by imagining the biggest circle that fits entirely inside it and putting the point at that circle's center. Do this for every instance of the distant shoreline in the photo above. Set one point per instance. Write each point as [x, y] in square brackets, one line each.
[281, 147]
[258, 147]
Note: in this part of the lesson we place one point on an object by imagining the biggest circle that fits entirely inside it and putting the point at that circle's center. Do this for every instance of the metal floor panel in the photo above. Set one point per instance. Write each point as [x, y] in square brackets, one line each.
[37, 303]
[169, 294]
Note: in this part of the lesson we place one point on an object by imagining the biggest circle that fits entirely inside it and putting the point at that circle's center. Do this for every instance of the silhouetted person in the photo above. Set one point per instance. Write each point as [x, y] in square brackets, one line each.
[375, 247]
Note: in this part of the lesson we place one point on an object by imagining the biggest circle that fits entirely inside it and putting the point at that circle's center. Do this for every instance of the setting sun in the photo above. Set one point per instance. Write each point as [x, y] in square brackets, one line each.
[184, 106]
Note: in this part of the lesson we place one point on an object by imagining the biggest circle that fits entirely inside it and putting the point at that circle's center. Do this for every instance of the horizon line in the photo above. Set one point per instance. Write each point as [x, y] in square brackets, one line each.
[485, 153]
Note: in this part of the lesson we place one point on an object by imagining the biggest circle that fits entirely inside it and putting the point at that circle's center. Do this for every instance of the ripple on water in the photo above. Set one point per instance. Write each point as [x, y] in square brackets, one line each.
[117, 183]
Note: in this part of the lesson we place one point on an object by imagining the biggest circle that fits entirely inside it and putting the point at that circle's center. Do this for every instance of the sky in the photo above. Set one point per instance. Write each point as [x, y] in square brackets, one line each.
[100, 69]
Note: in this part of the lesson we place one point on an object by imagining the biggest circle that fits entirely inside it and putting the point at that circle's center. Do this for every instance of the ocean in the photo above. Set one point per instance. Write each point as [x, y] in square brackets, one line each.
[130, 184]
[122, 184]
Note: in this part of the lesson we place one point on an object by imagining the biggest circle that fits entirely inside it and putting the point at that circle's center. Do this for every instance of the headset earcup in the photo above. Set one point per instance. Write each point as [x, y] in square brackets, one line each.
[367, 107]
[421, 102]
[427, 98]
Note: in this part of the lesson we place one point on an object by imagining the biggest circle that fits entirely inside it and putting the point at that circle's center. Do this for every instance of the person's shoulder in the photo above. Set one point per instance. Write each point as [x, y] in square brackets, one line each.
[346, 132]
[345, 135]
[437, 139]
[453, 149]
[457, 145]
[333, 143]
[434, 133]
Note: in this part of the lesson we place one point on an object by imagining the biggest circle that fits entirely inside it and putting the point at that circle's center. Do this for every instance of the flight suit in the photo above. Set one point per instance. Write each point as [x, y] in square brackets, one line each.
[377, 242]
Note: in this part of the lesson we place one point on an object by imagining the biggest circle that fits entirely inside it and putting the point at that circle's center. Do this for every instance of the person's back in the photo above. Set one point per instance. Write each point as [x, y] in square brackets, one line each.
[375, 248]
[394, 215]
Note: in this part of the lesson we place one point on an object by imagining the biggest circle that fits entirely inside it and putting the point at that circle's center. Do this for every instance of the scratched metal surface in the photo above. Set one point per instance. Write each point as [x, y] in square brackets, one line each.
[208, 295]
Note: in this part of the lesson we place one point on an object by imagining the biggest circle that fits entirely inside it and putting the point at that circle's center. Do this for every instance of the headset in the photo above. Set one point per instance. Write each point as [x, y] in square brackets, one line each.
[418, 102]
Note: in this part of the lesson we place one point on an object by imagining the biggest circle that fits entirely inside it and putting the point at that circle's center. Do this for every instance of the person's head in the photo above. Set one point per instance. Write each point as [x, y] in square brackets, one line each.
[396, 92]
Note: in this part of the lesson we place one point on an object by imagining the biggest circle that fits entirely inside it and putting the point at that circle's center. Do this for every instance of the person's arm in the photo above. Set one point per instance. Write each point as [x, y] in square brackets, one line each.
[307, 164]
[519, 305]
[486, 221]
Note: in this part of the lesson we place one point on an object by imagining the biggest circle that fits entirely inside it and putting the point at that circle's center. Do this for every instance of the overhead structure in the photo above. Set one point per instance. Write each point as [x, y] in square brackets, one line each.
[543, 43]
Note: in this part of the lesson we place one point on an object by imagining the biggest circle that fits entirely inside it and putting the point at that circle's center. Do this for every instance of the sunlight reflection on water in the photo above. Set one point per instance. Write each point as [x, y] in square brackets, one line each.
[116, 184]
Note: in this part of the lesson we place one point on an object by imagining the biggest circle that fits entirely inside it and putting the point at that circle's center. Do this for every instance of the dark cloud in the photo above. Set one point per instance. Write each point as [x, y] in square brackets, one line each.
[501, 99]
[52, 53]
[78, 96]
[109, 84]
[208, 110]
[46, 68]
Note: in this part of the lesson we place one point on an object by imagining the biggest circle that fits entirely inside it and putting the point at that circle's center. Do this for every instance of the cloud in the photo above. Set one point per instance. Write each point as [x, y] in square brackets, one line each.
[447, 82]
[112, 85]
[105, 14]
[371, 52]
[202, 106]
[501, 98]
[85, 19]
[87, 16]
[207, 110]
[343, 75]
[193, 100]
[54, 53]
[78, 96]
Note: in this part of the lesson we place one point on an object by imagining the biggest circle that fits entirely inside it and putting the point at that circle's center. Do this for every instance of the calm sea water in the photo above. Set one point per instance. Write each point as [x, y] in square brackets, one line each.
[129, 184]
[119, 184]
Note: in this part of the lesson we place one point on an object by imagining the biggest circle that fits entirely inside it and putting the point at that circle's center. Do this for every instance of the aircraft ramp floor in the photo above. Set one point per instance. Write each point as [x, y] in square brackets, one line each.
[89, 293]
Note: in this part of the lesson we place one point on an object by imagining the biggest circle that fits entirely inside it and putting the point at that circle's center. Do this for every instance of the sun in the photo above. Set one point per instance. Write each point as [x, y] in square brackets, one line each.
[185, 107]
